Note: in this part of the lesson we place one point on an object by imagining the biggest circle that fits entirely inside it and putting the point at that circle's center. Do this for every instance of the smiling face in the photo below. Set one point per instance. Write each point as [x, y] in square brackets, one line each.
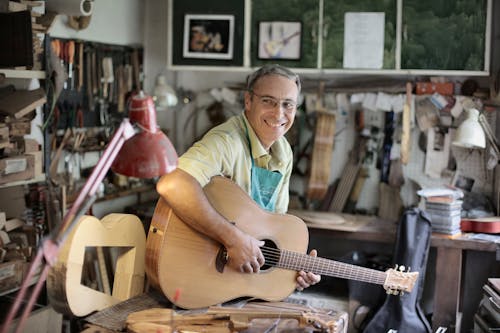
[270, 122]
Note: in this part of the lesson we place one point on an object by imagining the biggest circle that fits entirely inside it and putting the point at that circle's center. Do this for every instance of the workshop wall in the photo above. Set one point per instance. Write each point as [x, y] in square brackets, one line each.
[111, 22]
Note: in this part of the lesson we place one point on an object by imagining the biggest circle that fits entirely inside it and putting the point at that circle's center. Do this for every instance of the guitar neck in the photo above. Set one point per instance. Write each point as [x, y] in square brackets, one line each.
[299, 261]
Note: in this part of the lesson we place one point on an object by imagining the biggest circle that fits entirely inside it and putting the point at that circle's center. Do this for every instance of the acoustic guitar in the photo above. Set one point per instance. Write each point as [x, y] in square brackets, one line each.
[190, 268]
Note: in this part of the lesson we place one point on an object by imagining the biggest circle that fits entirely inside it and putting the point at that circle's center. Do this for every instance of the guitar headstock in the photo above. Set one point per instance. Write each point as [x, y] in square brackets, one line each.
[397, 281]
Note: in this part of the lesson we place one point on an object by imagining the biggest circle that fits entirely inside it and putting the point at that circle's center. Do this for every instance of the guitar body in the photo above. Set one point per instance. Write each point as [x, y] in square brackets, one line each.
[489, 225]
[186, 265]
[65, 291]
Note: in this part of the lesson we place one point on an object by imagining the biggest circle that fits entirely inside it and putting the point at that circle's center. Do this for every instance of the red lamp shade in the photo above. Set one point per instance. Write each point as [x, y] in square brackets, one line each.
[148, 153]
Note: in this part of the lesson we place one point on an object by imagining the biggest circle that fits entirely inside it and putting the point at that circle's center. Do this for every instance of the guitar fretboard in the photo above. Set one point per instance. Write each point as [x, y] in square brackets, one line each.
[299, 261]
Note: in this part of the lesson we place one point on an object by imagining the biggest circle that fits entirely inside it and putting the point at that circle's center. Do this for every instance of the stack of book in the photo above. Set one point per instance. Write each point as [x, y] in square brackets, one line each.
[445, 216]
[444, 208]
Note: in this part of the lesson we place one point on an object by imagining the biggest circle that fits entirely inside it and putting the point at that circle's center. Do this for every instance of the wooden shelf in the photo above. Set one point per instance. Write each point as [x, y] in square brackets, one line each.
[34, 280]
[118, 194]
[22, 74]
[124, 193]
[40, 178]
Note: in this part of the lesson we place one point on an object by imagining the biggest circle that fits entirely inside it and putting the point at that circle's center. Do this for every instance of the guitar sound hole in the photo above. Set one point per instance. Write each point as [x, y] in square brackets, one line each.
[269, 250]
[98, 263]
[271, 254]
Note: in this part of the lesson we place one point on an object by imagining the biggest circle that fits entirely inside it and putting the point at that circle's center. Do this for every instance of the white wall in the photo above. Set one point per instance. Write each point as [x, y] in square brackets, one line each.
[112, 22]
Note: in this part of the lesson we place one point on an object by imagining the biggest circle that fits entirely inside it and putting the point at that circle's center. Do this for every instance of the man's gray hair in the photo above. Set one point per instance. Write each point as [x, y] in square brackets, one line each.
[272, 69]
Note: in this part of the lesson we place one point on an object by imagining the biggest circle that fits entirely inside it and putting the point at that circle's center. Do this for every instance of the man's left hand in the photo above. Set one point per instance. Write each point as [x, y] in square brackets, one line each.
[306, 279]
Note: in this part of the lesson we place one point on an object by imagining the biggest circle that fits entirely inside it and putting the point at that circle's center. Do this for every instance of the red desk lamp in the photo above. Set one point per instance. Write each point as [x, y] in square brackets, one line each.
[147, 154]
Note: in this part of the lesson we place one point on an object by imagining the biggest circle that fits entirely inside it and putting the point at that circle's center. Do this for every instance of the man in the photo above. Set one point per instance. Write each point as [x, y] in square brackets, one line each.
[251, 150]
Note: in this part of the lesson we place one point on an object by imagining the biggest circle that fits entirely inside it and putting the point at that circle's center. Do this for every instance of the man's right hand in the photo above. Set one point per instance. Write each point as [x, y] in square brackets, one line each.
[244, 253]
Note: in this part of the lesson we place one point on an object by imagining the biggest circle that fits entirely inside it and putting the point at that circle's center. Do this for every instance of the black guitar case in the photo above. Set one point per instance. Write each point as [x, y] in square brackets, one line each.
[403, 314]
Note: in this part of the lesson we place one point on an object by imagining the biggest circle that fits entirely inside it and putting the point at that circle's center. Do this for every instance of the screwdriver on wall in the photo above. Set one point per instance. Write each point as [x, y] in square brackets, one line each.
[57, 47]
[70, 55]
[80, 66]
[63, 55]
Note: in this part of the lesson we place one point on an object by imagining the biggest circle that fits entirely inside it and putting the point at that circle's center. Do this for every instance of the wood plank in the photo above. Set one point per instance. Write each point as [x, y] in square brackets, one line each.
[17, 7]
[21, 102]
[448, 277]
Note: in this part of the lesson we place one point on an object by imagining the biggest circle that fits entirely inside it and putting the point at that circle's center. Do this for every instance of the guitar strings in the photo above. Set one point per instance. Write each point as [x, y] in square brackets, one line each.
[299, 261]
[293, 260]
[271, 255]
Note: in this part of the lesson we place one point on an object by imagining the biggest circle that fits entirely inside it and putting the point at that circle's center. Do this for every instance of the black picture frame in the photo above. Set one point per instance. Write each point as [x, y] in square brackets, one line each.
[208, 36]
[279, 40]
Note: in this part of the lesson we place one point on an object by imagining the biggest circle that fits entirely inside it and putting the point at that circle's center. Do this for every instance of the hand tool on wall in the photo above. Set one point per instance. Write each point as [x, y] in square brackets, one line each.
[93, 71]
[405, 134]
[80, 66]
[59, 75]
[107, 77]
[121, 88]
[55, 123]
[63, 56]
[55, 160]
[88, 78]
[136, 69]
[98, 70]
[79, 117]
[129, 84]
[70, 54]
[56, 47]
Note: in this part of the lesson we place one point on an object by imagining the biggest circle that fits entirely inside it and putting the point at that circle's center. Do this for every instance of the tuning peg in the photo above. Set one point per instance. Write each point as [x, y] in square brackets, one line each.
[391, 292]
[402, 268]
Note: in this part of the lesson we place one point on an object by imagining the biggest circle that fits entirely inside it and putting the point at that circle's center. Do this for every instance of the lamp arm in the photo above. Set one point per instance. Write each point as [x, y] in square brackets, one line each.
[50, 246]
[489, 133]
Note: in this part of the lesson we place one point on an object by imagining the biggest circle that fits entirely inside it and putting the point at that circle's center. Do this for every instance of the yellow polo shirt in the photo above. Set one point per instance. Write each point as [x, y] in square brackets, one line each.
[224, 151]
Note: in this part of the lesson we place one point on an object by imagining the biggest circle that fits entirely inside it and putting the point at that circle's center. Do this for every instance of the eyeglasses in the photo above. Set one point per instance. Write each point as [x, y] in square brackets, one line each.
[270, 102]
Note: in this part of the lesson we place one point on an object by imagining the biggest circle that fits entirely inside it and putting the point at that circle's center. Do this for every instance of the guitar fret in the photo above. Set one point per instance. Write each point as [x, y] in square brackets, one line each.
[298, 261]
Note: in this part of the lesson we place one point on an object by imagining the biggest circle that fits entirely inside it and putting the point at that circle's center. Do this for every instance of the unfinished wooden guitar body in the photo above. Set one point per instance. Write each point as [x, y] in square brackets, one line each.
[66, 293]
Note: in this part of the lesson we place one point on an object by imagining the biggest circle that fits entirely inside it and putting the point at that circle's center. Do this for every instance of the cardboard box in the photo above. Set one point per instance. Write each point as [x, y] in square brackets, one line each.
[11, 275]
[4, 132]
[19, 128]
[17, 168]
[38, 156]
[13, 201]
[27, 145]
[4, 136]
[3, 220]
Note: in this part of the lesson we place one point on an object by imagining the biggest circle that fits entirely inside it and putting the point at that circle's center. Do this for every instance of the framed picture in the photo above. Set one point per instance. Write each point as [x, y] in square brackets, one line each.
[279, 40]
[208, 36]
[462, 182]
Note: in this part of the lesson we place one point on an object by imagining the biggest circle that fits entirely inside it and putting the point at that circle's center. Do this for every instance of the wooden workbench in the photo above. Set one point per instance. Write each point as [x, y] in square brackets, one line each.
[448, 267]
